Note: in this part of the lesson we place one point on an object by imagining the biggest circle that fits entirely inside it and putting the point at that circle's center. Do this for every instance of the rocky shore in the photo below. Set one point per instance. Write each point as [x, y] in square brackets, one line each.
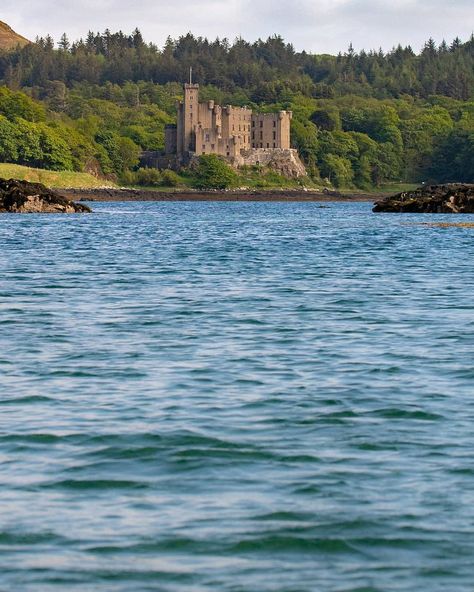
[24, 197]
[286, 195]
[452, 198]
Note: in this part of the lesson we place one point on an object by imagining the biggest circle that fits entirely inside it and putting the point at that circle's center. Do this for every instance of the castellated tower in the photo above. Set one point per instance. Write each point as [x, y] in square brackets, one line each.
[188, 118]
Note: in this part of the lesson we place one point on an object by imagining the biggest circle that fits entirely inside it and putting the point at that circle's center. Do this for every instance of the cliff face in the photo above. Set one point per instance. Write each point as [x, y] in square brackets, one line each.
[9, 39]
[286, 162]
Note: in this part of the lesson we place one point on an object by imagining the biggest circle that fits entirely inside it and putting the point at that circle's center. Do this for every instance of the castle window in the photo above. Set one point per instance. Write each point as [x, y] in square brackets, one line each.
[203, 147]
[274, 124]
[274, 135]
[274, 145]
[261, 135]
[207, 138]
[261, 145]
[253, 135]
[228, 153]
[268, 145]
[213, 146]
[261, 124]
[253, 123]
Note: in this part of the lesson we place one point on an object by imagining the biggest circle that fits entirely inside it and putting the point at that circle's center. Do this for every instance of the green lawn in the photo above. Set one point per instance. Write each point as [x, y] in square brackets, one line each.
[58, 179]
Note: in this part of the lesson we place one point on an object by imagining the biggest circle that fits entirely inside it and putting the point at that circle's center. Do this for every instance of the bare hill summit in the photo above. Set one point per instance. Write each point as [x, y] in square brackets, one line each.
[8, 38]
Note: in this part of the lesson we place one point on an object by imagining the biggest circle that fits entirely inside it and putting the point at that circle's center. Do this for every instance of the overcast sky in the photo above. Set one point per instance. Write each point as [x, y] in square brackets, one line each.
[321, 26]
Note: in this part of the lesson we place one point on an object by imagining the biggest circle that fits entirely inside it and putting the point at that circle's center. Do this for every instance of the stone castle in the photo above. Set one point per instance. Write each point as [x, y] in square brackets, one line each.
[235, 133]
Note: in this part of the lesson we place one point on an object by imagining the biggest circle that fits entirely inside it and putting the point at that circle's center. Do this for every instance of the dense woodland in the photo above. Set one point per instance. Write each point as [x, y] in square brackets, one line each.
[360, 119]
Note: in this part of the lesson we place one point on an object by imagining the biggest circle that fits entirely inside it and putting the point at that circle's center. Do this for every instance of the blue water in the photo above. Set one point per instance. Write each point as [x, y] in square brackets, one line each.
[245, 397]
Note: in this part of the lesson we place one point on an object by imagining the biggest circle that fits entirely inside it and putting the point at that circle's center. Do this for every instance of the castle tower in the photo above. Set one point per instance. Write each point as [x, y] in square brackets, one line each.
[188, 116]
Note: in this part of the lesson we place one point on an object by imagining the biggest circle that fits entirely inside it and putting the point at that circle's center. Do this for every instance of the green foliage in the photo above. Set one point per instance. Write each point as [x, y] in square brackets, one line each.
[16, 104]
[55, 151]
[453, 158]
[8, 141]
[148, 177]
[212, 172]
[170, 178]
[123, 153]
[327, 119]
[337, 170]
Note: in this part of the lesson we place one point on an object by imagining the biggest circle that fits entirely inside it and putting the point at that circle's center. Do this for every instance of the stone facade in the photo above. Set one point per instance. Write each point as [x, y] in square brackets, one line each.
[271, 130]
[207, 128]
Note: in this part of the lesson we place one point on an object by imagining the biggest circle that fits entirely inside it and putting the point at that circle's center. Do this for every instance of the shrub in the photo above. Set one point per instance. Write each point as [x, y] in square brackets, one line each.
[147, 177]
[212, 172]
[170, 178]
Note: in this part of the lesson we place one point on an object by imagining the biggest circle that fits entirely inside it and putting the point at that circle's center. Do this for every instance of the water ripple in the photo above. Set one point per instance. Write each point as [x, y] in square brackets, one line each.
[234, 397]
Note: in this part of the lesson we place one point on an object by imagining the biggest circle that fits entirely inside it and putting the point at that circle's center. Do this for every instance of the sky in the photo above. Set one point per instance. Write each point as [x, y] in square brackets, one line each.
[317, 26]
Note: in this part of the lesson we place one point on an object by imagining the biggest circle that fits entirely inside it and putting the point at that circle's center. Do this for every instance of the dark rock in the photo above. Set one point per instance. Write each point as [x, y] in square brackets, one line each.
[452, 198]
[25, 197]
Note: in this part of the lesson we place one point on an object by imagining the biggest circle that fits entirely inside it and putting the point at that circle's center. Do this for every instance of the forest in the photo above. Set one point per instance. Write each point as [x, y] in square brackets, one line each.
[361, 119]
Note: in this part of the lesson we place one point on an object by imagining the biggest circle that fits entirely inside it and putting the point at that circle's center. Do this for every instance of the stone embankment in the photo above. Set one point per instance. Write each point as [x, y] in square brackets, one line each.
[452, 198]
[24, 197]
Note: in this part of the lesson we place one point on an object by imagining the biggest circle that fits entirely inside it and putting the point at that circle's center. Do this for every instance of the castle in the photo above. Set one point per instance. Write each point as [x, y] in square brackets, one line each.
[231, 132]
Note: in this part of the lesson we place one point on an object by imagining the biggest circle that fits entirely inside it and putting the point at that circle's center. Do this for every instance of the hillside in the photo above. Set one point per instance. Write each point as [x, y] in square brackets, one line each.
[9, 39]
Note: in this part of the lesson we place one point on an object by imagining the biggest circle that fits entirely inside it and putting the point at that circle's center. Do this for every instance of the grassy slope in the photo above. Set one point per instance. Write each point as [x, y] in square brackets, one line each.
[59, 179]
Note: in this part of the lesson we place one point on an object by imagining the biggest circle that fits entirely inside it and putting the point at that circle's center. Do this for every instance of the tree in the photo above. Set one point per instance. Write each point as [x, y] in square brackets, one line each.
[212, 172]
[337, 170]
[8, 141]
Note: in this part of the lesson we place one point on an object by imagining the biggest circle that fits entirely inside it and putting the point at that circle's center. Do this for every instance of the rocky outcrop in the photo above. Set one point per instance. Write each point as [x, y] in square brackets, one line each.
[25, 197]
[286, 162]
[452, 198]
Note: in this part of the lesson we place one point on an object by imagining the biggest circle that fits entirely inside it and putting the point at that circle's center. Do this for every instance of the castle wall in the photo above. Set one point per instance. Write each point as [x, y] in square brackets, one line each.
[237, 121]
[209, 141]
[180, 129]
[171, 139]
[271, 130]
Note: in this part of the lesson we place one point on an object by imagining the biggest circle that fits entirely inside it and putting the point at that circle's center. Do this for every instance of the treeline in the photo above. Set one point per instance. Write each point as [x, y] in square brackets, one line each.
[266, 69]
[360, 119]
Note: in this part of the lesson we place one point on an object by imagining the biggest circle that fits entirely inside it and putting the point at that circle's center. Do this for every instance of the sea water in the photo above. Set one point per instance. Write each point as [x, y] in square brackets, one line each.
[246, 397]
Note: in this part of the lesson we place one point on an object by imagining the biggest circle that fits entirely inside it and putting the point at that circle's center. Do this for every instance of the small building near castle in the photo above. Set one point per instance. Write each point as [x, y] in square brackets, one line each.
[207, 128]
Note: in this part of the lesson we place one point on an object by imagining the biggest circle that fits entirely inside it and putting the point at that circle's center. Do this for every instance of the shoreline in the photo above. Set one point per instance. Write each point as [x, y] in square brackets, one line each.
[111, 194]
